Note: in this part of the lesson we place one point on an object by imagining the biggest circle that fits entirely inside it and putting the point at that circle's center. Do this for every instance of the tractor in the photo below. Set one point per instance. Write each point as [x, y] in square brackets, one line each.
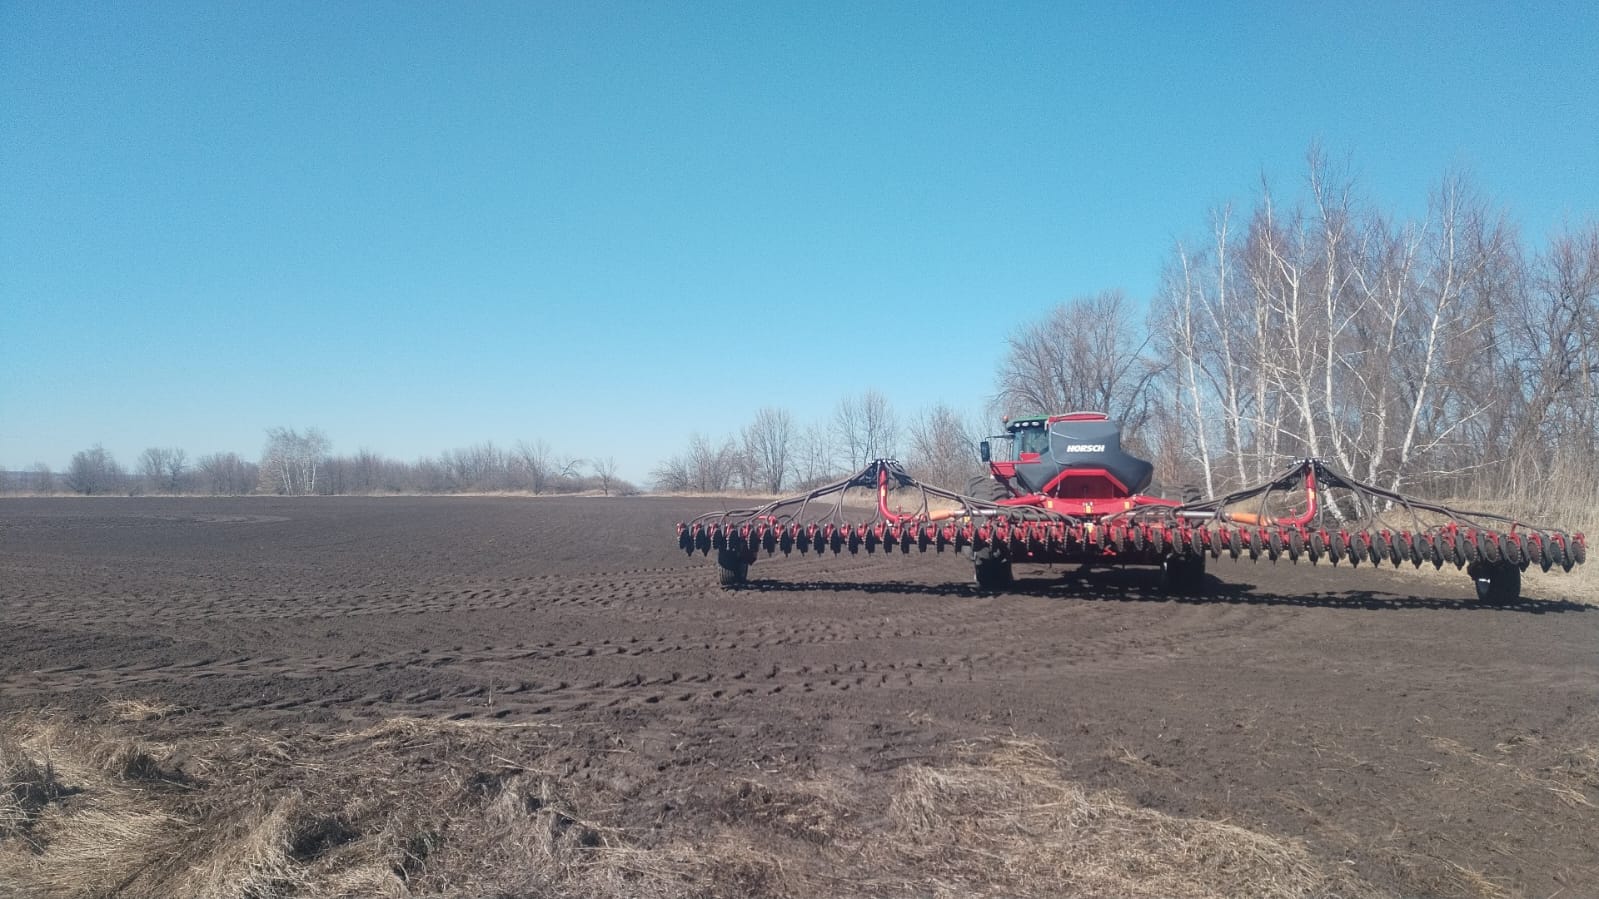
[1068, 493]
[1072, 464]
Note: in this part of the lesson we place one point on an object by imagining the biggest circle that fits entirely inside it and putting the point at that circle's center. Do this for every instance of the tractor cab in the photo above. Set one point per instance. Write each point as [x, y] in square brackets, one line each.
[1025, 439]
[1077, 456]
[1030, 437]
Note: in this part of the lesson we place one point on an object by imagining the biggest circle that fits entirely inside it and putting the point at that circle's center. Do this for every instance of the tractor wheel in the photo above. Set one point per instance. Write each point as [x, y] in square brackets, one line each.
[1183, 575]
[1497, 582]
[986, 488]
[992, 572]
[732, 567]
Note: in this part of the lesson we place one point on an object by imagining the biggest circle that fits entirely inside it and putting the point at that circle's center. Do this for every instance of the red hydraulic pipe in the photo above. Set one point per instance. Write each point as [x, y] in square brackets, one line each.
[882, 499]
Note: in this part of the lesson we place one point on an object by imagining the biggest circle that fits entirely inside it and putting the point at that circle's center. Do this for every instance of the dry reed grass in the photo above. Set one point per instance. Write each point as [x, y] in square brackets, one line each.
[422, 808]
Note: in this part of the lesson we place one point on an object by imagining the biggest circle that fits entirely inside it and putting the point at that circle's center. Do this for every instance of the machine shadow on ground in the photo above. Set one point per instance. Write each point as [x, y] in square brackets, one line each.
[1143, 585]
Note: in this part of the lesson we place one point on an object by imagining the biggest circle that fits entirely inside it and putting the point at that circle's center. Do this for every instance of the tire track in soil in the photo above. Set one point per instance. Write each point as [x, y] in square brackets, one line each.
[584, 674]
[961, 619]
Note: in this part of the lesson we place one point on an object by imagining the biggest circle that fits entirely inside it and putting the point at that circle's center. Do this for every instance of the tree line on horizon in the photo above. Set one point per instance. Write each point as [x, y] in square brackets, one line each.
[773, 454]
[301, 463]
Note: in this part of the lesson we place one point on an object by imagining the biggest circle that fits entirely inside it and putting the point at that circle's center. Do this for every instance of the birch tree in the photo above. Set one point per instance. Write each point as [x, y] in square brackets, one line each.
[291, 460]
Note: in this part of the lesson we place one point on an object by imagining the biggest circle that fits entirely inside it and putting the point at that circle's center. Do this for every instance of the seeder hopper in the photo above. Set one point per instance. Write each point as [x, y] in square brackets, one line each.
[1069, 494]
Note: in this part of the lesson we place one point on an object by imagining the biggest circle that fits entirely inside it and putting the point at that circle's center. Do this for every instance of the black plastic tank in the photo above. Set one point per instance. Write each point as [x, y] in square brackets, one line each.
[1085, 444]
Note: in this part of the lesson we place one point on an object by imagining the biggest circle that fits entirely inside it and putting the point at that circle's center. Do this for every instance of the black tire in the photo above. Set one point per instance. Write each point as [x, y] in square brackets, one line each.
[1183, 575]
[1192, 494]
[732, 568]
[987, 488]
[992, 572]
[1497, 582]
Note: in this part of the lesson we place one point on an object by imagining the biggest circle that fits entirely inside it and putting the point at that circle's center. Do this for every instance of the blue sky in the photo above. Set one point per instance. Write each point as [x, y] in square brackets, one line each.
[608, 226]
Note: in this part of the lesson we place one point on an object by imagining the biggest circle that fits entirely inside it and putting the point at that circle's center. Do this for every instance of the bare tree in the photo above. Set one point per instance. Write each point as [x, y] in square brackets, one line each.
[672, 474]
[226, 474]
[532, 464]
[865, 428]
[541, 469]
[1552, 348]
[482, 466]
[95, 471]
[813, 456]
[1088, 353]
[429, 476]
[177, 467]
[706, 467]
[605, 471]
[291, 460]
[368, 471]
[162, 468]
[768, 444]
[153, 468]
[713, 465]
[943, 448]
[41, 479]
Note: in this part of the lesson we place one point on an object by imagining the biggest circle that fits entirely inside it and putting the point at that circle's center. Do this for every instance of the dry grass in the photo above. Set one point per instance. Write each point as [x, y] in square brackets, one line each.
[1582, 584]
[141, 709]
[1568, 498]
[1003, 821]
[423, 808]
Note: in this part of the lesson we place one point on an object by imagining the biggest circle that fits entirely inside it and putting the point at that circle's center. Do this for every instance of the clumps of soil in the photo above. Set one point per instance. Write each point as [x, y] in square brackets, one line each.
[135, 808]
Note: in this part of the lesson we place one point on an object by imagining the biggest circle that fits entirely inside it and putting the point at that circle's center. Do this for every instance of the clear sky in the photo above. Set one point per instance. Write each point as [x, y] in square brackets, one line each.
[610, 225]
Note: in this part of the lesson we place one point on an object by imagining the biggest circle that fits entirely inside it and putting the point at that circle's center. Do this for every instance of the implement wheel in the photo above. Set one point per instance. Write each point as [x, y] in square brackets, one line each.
[732, 568]
[993, 574]
[1497, 582]
[1183, 575]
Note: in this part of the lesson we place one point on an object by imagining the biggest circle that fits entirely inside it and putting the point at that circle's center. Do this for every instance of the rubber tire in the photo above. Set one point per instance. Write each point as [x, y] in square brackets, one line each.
[1497, 583]
[986, 488]
[1192, 494]
[1183, 575]
[992, 573]
[732, 568]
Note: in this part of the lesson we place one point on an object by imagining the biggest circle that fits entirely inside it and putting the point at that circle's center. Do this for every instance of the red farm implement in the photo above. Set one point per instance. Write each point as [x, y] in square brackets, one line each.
[1071, 495]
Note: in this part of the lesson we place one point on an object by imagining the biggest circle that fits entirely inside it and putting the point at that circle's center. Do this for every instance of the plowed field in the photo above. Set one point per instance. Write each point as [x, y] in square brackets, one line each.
[1384, 718]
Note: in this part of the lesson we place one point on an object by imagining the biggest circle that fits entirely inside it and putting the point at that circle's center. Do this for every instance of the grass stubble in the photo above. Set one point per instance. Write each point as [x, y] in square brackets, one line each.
[134, 805]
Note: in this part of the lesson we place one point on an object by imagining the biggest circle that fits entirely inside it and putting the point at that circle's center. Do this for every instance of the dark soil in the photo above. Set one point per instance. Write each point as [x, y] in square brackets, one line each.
[1385, 718]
